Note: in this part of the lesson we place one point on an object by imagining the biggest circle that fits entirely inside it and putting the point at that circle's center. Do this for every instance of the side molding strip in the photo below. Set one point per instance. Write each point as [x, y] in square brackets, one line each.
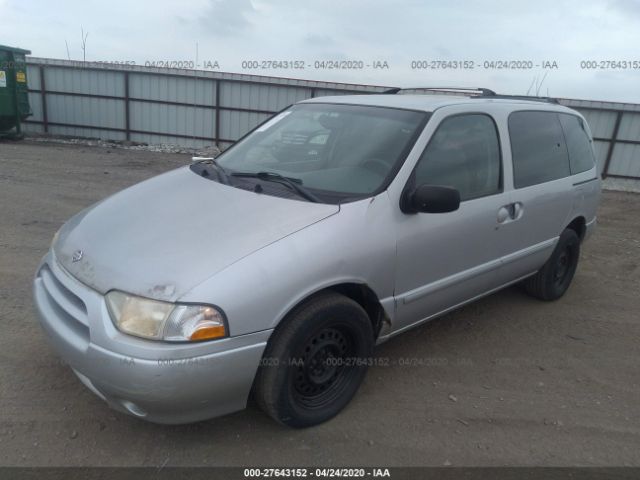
[418, 293]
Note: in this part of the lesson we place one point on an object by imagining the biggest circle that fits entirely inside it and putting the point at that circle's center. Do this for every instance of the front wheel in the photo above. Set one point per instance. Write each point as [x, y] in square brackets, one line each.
[315, 361]
[554, 278]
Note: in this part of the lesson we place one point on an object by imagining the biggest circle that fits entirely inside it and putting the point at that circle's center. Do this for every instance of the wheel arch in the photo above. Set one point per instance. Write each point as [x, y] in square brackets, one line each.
[578, 225]
[361, 293]
[364, 295]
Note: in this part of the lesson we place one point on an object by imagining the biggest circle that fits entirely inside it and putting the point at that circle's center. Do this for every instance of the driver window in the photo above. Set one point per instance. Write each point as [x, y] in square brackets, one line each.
[463, 153]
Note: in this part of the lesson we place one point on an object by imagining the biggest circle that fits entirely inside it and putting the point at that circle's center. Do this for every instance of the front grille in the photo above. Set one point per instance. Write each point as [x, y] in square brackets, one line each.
[68, 307]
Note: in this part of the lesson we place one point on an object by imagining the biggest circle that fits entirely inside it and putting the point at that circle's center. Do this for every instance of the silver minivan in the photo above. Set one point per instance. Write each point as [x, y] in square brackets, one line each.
[273, 270]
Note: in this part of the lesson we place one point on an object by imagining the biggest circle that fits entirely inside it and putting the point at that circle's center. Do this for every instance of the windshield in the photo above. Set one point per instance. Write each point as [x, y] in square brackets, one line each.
[336, 151]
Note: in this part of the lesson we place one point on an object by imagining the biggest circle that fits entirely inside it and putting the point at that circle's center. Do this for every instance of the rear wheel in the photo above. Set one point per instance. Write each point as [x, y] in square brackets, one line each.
[315, 361]
[554, 278]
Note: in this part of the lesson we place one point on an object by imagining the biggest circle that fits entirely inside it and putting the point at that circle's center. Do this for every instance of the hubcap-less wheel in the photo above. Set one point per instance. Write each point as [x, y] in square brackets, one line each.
[315, 361]
[554, 278]
[562, 266]
[323, 367]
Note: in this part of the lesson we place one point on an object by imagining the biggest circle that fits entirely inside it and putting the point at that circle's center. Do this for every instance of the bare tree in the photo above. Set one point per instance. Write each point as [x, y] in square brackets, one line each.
[531, 86]
[538, 85]
[541, 82]
[83, 45]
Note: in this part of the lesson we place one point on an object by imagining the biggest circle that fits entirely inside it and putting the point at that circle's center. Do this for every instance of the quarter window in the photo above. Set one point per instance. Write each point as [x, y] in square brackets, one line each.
[463, 153]
[538, 148]
[581, 156]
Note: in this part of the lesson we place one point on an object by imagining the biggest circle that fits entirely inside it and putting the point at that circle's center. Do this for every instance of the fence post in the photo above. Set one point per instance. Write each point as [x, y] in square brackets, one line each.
[217, 114]
[127, 119]
[43, 97]
[612, 144]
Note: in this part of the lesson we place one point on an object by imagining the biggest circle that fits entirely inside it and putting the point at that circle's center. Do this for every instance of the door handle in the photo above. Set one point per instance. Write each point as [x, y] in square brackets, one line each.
[510, 212]
[517, 210]
[503, 214]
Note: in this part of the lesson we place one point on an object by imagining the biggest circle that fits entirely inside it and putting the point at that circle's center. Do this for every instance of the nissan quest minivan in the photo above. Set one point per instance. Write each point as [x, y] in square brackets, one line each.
[273, 270]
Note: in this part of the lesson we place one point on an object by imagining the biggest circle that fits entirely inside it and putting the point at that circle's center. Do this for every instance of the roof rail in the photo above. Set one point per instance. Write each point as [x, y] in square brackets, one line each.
[530, 98]
[477, 91]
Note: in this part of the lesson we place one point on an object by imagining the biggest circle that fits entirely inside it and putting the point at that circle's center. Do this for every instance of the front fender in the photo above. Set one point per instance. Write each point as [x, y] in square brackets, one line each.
[356, 245]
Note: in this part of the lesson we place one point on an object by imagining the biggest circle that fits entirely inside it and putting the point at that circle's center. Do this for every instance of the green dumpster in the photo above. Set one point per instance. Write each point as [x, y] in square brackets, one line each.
[14, 99]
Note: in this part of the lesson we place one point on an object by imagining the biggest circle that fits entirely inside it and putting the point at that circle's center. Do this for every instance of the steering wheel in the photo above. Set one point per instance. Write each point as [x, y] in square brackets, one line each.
[377, 165]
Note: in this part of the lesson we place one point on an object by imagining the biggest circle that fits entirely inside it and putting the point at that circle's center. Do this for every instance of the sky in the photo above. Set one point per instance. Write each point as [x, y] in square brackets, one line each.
[548, 41]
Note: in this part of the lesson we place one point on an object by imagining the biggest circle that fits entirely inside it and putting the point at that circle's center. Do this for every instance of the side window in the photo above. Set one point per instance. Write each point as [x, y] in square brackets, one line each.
[538, 148]
[581, 156]
[463, 153]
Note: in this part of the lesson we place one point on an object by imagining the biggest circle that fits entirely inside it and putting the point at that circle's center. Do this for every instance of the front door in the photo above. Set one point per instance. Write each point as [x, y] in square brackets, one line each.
[446, 259]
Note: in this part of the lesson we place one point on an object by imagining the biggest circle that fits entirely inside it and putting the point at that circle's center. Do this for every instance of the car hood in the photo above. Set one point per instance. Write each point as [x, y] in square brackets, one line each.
[162, 237]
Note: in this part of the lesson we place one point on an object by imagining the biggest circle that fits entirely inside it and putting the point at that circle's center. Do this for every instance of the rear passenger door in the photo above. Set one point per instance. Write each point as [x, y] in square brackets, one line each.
[542, 191]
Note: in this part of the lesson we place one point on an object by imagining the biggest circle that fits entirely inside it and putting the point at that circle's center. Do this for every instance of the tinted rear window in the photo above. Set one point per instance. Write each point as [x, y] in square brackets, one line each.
[538, 148]
[581, 156]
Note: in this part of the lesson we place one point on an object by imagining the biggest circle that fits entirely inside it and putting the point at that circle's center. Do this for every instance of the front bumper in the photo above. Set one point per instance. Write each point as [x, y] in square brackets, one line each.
[157, 381]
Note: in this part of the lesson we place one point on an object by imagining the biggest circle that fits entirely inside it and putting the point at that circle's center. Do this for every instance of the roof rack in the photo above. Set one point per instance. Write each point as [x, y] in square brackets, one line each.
[477, 91]
[530, 98]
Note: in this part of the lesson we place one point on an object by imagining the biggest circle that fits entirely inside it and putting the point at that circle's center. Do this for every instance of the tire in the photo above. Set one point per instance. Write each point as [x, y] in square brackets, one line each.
[310, 369]
[554, 278]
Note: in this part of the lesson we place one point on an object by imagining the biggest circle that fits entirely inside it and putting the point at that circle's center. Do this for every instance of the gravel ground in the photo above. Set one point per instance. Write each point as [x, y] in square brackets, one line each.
[508, 380]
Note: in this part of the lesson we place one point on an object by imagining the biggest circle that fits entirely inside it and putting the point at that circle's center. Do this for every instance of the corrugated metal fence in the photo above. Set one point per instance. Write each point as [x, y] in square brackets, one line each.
[616, 133]
[159, 105]
[197, 108]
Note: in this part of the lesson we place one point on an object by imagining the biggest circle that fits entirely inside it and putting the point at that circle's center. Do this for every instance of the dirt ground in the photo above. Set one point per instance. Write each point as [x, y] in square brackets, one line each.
[507, 380]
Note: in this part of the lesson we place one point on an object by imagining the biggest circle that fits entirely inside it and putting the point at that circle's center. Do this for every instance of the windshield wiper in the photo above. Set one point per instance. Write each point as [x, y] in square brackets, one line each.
[294, 183]
[221, 173]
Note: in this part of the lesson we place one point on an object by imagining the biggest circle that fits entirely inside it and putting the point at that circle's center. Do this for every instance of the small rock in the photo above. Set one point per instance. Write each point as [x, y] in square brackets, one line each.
[453, 398]
[370, 443]
[447, 463]
[74, 435]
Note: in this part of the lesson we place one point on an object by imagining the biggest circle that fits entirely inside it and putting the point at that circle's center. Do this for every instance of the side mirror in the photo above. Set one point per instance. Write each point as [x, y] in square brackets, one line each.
[431, 199]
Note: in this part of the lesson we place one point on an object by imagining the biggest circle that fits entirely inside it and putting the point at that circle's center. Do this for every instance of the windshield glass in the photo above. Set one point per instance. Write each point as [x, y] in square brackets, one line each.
[344, 150]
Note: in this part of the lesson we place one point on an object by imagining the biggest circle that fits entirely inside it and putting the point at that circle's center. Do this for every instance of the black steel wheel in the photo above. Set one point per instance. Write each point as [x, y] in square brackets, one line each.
[315, 361]
[554, 278]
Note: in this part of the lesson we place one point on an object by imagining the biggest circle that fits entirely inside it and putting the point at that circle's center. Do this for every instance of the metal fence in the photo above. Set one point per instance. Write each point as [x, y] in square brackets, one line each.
[159, 105]
[616, 134]
[197, 108]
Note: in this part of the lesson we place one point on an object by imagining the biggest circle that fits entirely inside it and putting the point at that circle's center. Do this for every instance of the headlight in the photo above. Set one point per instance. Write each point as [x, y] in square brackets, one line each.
[173, 322]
